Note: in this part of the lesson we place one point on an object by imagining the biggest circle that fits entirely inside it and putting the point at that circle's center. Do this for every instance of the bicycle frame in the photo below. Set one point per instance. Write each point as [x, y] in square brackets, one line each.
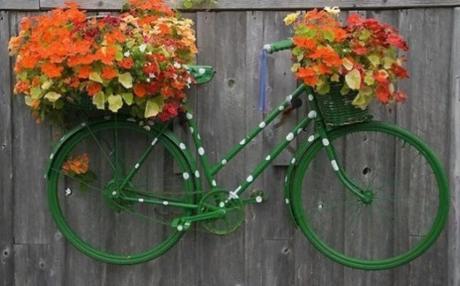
[211, 170]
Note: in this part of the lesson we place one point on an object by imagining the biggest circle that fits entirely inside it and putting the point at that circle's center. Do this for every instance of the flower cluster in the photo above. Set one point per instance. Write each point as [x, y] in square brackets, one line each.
[361, 56]
[136, 61]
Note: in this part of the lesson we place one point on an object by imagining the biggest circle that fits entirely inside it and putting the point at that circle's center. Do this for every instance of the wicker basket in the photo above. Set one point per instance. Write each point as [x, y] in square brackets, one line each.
[338, 110]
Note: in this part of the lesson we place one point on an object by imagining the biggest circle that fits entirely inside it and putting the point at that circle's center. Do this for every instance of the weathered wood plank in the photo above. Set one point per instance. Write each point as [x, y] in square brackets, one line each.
[427, 115]
[31, 150]
[19, 5]
[454, 226]
[6, 158]
[222, 123]
[39, 264]
[267, 231]
[275, 4]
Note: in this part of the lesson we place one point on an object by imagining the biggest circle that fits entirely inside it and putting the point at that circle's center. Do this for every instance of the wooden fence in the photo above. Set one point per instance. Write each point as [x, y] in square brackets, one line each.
[267, 250]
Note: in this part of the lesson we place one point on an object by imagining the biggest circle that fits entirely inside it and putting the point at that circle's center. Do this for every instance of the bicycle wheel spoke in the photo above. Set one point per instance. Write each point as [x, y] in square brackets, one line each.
[402, 176]
[80, 181]
[98, 143]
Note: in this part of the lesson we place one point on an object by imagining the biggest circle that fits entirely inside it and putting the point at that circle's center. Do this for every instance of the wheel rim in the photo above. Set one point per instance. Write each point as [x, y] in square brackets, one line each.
[134, 248]
[345, 254]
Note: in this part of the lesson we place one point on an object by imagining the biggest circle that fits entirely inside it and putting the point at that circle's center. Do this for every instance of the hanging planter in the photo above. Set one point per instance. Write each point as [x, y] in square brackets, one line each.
[134, 63]
[358, 60]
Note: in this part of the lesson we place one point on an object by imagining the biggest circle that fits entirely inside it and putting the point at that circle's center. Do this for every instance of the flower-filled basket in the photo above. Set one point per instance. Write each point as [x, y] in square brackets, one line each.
[136, 62]
[347, 65]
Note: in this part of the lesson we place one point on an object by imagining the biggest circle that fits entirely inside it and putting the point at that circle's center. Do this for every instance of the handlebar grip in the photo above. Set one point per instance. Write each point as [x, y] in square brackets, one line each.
[279, 46]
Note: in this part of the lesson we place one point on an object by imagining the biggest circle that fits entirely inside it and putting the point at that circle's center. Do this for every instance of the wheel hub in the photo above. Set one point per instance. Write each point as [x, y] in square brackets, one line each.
[112, 195]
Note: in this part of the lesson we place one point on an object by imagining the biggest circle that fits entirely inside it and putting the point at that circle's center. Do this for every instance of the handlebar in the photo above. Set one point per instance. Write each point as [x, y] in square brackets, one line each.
[279, 46]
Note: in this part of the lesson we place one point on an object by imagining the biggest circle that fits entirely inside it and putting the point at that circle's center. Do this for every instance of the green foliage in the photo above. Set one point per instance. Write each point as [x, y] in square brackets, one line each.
[189, 4]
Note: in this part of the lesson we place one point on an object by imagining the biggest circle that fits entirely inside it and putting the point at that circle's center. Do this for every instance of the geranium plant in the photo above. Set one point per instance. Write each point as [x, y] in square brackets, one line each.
[134, 62]
[361, 55]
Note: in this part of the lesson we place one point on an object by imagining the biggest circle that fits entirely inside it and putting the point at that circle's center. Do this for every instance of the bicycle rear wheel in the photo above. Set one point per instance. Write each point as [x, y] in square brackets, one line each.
[83, 178]
[410, 198]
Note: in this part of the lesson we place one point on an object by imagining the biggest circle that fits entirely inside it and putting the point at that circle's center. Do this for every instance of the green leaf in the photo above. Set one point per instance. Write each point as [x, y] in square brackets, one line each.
[153, 107]
[363, 98]
[126, 79]
[47, 84]
[353, 79]
[388, 62]
[36, 92]
[22, 75]
[329, 35]
[323, 88]
[305, 32]
[345, 90]
[95, 76]
[99, 100]
[188, 4]
[28, 100]
[369, 78]
[53, 96]
[374, 59]
[127, 97]
[115, 102]
[364, 35]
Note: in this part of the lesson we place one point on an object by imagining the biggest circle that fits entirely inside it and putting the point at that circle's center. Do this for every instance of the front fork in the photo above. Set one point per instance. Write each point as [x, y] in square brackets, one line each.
[363, 195]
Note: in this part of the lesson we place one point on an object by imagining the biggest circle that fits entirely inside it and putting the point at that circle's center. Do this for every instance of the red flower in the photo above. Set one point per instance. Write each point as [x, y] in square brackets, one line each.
[354, 20]
[383, 93]
[381, 77]
[400, 96]
[170, 110]
[399, 71]
[397, 41]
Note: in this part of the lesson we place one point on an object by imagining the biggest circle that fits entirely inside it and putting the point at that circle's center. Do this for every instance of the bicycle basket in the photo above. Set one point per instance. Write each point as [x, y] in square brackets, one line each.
[338, 110]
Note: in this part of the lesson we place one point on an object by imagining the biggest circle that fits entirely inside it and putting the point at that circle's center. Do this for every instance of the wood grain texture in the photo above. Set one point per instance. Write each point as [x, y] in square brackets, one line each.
[19, 4]
[454, 226]
[221, 37]
[274, 4]
[268, 250]
[427, 115]
[6, 159]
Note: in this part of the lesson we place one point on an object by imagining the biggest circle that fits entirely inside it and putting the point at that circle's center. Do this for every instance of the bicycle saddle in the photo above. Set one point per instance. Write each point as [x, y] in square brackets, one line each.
[202, 74]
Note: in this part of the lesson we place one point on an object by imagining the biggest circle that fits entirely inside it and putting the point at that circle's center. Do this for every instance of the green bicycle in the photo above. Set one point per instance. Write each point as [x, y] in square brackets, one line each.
[144, 193]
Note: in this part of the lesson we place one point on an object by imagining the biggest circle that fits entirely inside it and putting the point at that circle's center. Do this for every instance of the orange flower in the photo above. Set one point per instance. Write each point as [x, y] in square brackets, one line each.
[308, 75]
[106, 55]
[52, 70]
[93, 88]
[21, 87]
[140, 90]
[127, 63]
[83, 72]
[77, 165]
[114, 37]
[109, 73]
[305, 43]
[328, 56]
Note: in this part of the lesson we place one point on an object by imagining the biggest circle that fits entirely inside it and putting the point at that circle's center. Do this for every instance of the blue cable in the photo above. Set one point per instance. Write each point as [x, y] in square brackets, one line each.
[263, 79]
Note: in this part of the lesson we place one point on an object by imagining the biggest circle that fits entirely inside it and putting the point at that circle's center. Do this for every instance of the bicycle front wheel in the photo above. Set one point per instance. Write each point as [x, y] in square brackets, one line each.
[408, 189]
[90, 209]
